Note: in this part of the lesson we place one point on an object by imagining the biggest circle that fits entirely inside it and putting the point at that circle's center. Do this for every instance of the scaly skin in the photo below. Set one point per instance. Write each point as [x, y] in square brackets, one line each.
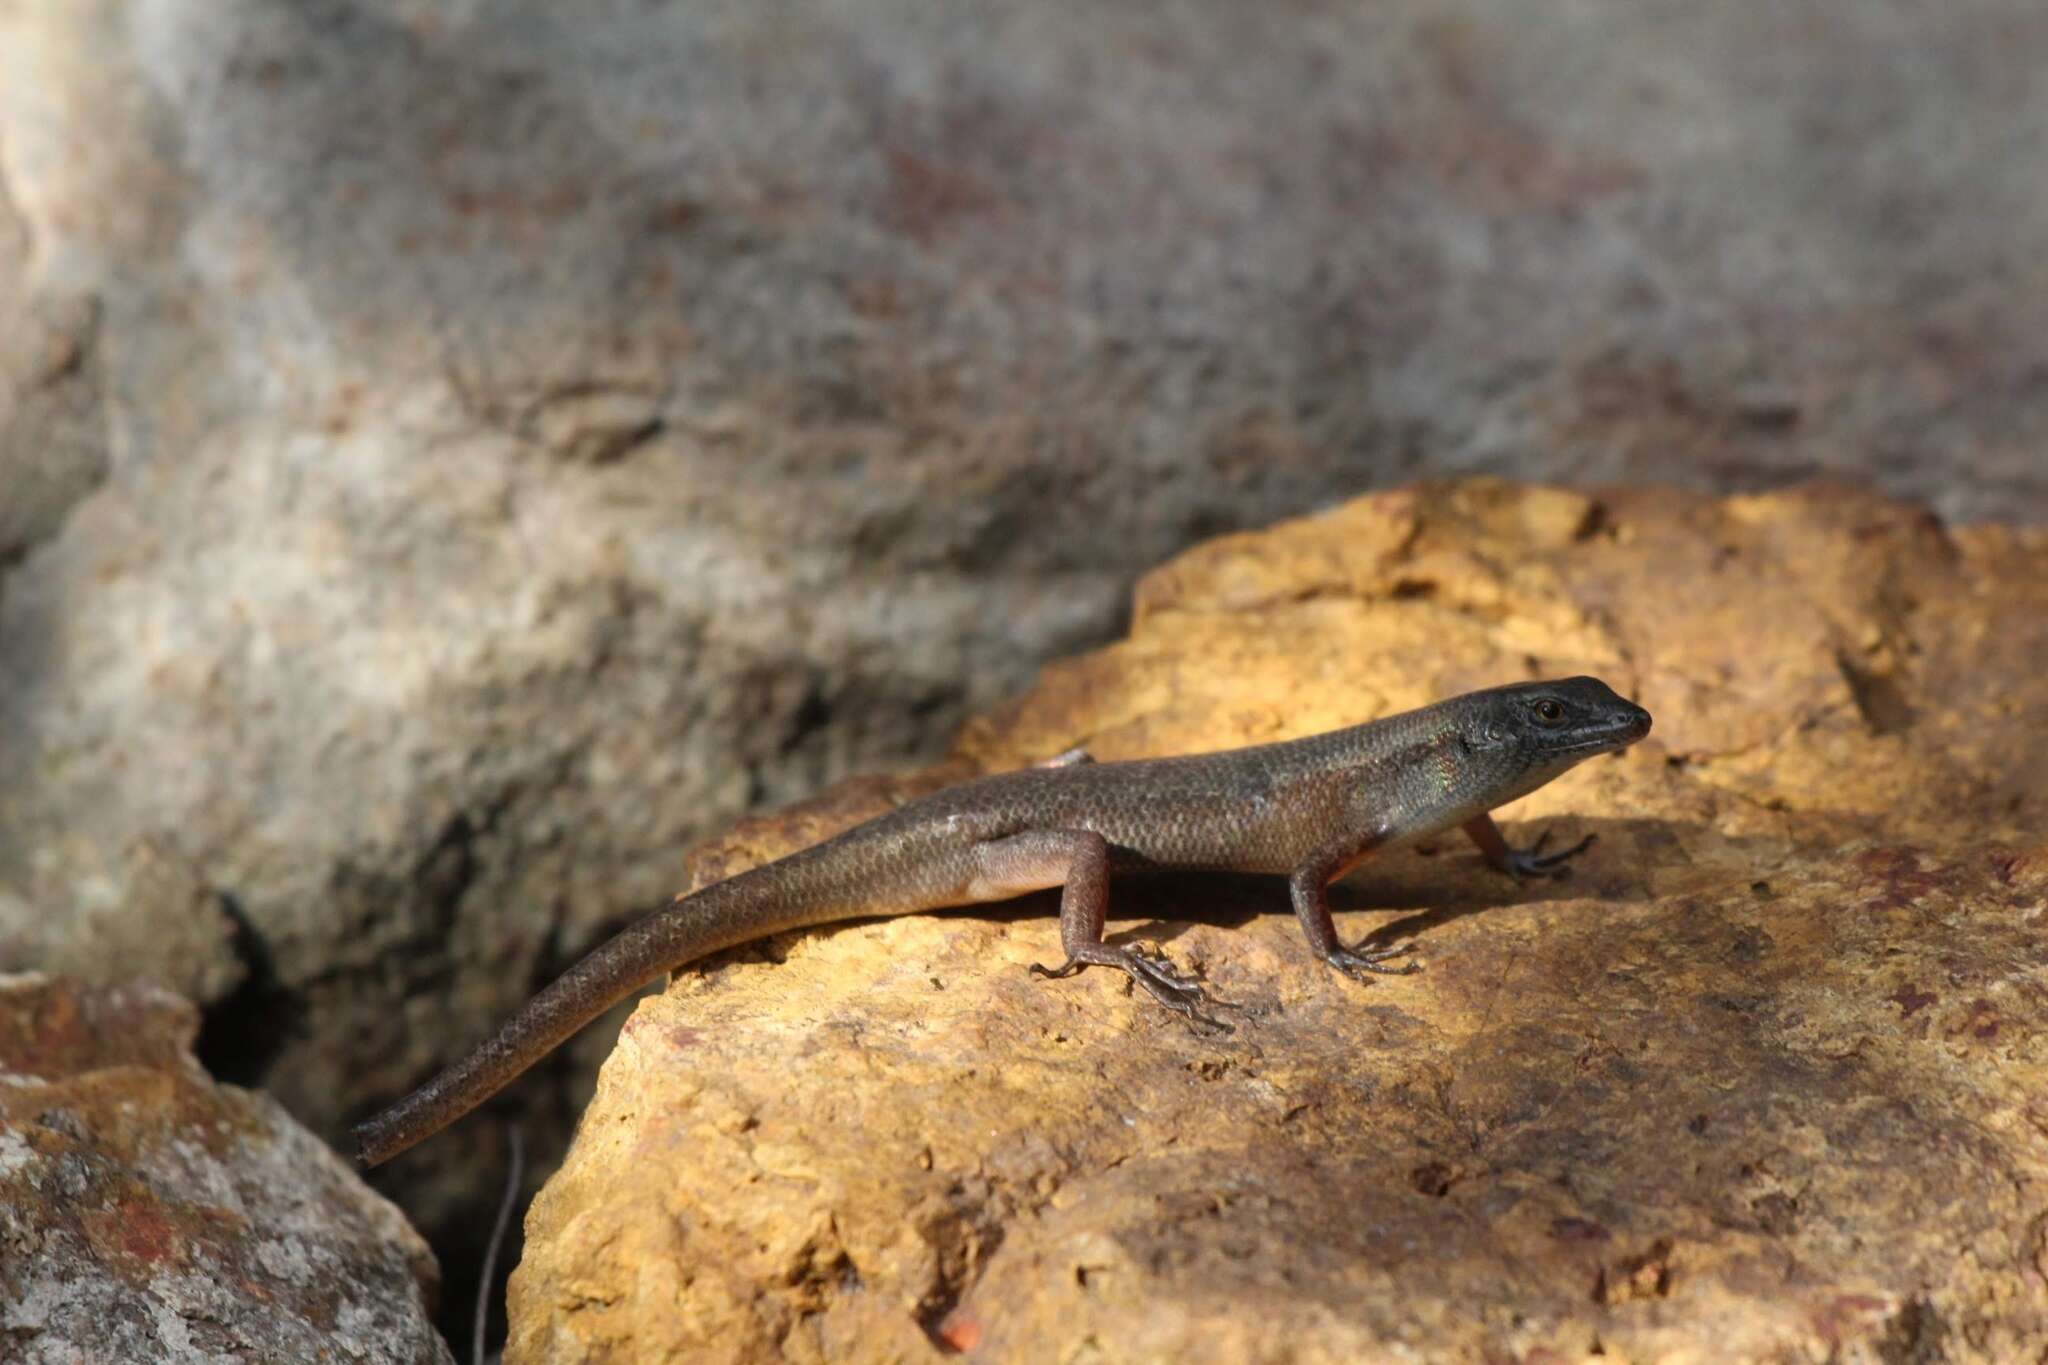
[1309, 808]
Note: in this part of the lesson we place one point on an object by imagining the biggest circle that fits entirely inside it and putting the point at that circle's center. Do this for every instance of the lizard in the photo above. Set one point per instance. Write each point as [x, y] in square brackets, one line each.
[1311, 809]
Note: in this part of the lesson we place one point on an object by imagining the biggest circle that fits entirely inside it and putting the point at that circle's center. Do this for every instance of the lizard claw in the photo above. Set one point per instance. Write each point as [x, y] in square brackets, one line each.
[1355, 963]
[1176, 990]
[1533, 862]
[1160, 965]
[1155, 972]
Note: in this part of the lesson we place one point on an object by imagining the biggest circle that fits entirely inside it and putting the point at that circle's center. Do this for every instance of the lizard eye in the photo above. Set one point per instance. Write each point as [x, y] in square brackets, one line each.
[1548, 711]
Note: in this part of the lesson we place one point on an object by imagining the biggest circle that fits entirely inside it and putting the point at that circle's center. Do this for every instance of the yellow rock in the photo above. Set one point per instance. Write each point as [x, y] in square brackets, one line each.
[1764, 1081]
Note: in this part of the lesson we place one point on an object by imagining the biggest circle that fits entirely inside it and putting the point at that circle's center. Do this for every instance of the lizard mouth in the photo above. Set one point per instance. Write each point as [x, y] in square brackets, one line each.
[1616, 733]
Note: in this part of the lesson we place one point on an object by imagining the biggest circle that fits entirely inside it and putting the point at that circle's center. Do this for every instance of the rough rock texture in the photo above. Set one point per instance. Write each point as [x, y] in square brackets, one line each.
[453, 454]
[1766, 1080]
[149, 1215]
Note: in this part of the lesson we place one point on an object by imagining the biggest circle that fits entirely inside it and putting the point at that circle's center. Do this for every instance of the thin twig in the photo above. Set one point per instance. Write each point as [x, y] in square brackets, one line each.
[517, 1161]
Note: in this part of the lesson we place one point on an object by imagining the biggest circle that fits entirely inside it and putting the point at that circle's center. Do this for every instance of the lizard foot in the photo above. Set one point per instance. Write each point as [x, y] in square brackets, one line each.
[1153, 970]
[1354, 964]
[1533, 862]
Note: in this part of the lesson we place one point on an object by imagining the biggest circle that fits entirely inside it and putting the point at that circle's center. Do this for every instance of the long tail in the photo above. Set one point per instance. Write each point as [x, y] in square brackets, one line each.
[721, 915]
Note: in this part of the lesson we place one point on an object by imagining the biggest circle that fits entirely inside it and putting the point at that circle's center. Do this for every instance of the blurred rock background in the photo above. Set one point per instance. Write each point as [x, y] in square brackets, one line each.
[453, 455]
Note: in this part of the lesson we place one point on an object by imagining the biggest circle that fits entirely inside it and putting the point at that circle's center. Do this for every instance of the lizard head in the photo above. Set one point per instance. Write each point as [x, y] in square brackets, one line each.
[1548, 727]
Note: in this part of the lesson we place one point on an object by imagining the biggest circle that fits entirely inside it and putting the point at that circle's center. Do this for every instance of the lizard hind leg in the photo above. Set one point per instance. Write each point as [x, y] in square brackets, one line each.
[1077, 861]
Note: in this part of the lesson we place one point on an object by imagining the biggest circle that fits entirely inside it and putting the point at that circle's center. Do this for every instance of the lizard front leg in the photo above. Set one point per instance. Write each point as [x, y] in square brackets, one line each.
[1310, 888]
[1521, 862]
[1077, 861]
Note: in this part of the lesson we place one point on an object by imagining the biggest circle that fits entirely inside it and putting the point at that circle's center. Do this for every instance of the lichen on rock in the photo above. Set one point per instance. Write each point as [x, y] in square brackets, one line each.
[149, 1214]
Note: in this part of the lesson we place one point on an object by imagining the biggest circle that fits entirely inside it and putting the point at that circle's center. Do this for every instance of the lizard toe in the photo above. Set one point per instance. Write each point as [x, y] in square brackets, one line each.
[1533, 862]
[1358, 965]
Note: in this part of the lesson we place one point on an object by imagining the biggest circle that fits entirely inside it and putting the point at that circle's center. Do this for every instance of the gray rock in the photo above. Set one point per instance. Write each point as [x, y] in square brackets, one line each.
[453, 455]
[150, 1215]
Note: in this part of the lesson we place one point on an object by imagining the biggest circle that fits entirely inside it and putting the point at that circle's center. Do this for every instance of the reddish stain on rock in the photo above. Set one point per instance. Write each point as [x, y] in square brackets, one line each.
[1902, 880]
[959, 1332]
[1911, 1000]
[1981, 1023]
[146, 1234]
